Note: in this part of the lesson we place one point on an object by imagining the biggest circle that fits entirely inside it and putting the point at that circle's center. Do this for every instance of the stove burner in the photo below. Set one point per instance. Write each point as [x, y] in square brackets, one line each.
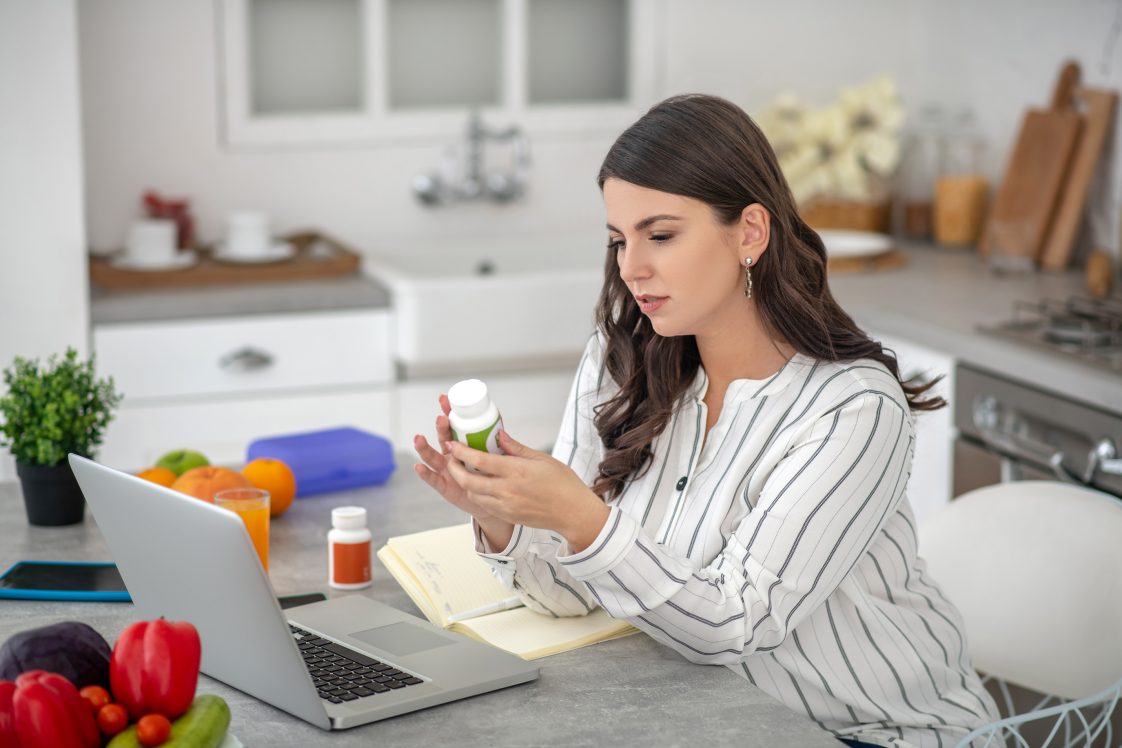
[1080, 330]
[1085, 329]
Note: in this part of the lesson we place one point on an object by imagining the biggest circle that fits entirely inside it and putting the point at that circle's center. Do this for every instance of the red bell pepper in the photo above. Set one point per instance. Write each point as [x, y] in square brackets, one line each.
[44, 710]
[7, 716]
[155, 667]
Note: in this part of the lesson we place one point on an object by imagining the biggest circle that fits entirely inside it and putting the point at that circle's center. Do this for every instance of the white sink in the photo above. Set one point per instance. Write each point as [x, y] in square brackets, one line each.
[504, 303]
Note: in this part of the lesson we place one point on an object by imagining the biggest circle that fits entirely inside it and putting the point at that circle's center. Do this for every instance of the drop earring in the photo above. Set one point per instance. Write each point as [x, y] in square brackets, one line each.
[747, 277]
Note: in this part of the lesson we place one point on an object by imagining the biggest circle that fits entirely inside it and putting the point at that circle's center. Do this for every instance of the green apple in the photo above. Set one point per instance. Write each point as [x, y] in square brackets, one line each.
[182, 460]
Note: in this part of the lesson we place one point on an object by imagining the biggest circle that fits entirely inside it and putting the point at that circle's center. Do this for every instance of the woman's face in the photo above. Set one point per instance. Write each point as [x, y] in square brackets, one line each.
[682, 266]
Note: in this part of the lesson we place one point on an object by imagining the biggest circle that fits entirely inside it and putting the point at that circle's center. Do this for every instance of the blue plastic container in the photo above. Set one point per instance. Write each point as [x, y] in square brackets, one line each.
[330, 460]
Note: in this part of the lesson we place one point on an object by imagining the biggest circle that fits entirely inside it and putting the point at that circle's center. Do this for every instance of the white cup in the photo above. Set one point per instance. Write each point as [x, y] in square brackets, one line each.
[151, 243]
[247, 234]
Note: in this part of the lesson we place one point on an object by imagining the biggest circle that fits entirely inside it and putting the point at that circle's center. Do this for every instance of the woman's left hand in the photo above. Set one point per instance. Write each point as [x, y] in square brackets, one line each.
[530, 488]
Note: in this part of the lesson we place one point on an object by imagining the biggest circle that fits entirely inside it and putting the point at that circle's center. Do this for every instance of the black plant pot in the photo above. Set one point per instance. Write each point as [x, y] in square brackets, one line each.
[51, 494]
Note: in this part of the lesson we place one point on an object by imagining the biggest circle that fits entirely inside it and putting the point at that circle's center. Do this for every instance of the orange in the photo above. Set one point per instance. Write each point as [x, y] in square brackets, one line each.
[160, 475]
[204, 482]
[277, 478]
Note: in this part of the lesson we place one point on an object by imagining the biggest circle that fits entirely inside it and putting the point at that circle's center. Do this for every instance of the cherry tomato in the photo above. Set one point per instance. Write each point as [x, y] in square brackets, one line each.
[112, 718]
[96, 697]
[153, 729]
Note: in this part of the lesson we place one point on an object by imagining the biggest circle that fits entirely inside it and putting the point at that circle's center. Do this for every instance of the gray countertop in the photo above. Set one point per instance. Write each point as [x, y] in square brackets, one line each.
[629, 691]
[161, 304]
[938, 299]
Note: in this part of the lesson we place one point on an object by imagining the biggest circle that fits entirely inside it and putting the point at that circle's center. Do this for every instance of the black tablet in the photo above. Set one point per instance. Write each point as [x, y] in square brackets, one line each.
[63, 580]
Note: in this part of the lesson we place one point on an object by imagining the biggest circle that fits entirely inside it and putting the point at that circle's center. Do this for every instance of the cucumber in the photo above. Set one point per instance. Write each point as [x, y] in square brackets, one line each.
[203, 726]
[125, 739]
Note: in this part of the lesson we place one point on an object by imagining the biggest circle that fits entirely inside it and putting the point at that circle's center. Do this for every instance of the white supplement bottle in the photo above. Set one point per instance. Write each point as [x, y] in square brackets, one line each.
[474, 418]
[348, 549]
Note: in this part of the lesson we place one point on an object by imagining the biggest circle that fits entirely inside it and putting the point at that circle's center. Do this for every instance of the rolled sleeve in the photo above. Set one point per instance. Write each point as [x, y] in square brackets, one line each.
[502, 562]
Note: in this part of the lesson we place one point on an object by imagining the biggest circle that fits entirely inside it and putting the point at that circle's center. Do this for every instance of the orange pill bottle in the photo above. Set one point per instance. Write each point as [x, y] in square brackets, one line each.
[348, 549]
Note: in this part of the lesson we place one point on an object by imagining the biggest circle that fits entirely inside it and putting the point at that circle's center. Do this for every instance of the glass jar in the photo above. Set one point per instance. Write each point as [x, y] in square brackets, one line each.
[923, 162]
[961, 191]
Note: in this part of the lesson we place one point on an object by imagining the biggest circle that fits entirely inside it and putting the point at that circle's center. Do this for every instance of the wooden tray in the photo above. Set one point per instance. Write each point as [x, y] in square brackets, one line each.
[830, 213]
[884, 261]
[317, 256]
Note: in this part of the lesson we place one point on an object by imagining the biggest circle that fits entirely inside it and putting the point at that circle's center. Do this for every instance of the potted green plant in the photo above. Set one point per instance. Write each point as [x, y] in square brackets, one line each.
[48, 412]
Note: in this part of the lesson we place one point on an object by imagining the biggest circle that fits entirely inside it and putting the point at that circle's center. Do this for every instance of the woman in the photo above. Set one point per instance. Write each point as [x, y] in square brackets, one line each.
[730, 473]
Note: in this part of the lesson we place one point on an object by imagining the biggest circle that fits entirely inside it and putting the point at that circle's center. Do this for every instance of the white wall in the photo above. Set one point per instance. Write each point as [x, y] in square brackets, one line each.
[750, 51]
[43, 290]
[149, 78]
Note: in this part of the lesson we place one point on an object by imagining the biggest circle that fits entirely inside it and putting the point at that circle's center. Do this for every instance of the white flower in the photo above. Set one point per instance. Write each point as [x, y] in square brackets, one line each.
[782, 122]
[845, 149]
[810, 163]
[876, 118]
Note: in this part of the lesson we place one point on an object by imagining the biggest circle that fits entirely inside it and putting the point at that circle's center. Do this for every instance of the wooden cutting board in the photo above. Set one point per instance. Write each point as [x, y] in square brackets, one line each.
[1034, 177]
[1099, 107]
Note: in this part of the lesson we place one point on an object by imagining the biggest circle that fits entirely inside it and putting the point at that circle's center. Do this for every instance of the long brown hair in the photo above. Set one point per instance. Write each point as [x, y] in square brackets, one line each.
[706, 148]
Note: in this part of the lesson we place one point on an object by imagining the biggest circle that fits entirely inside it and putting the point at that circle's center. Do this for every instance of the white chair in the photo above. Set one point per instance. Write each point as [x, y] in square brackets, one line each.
[1035, 567]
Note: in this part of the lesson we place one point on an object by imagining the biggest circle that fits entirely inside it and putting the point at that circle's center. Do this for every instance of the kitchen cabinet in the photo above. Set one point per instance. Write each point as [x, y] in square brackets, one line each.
[216, 384]
[929, 487]
[392, 70]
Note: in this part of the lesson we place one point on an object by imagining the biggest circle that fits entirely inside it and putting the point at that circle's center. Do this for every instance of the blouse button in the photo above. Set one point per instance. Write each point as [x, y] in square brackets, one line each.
[682, 483]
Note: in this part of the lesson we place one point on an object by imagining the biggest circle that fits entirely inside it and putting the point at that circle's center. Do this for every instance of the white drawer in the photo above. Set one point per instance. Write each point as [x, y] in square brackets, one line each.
[245, 354]
[223, 429]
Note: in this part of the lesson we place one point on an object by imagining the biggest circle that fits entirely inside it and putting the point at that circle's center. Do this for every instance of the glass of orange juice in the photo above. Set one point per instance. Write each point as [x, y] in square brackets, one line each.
[252, 505]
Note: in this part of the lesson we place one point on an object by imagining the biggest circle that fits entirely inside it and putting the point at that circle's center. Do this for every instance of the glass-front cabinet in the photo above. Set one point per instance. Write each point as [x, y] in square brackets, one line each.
[330, 71]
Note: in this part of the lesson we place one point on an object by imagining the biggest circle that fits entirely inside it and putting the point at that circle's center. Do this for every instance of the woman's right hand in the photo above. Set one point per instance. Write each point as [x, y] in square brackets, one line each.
[434, 471]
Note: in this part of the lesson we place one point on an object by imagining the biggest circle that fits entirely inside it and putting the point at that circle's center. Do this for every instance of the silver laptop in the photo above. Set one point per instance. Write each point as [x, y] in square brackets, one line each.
[337, 664]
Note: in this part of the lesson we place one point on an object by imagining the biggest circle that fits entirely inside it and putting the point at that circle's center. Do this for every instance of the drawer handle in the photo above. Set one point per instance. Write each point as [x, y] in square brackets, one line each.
[246, 359]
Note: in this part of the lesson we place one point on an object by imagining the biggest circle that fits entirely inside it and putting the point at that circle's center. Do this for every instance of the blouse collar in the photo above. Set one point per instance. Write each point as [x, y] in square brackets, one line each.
[749, 389]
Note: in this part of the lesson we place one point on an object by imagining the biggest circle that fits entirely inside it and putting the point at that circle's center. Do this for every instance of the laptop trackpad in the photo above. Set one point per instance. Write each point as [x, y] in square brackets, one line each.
[401, 638]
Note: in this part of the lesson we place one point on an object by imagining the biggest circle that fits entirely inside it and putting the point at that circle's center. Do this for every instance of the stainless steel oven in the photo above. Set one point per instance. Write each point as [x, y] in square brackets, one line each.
[1008, 430]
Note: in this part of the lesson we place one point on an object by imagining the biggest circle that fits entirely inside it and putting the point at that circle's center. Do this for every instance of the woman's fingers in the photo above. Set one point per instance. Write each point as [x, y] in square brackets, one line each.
[438, 482]
[469, 481]
[431, 457]
[443, 430]
[445, 405]
[436, 479]
[426, 474]
[513, 447]
[484, 462]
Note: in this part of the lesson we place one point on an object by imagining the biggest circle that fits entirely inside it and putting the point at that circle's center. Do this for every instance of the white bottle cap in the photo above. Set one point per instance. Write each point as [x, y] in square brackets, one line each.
[469, 398]
[348, 518]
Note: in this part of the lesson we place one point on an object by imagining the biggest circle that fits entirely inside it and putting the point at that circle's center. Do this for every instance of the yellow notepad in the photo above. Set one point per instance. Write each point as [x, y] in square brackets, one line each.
[441, 572]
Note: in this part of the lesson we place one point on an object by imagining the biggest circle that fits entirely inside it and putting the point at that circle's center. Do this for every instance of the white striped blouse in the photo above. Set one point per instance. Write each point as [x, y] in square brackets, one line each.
[781, 545]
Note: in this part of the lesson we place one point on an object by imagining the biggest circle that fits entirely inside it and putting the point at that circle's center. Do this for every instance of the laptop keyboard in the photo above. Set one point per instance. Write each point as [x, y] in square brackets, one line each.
[341, 674]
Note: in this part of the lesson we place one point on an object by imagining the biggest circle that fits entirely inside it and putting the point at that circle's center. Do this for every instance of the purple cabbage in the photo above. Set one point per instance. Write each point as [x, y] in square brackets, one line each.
[72, 649]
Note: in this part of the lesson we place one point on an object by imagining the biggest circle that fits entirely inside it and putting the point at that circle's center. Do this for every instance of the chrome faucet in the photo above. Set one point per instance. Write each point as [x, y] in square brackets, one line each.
[436, 188]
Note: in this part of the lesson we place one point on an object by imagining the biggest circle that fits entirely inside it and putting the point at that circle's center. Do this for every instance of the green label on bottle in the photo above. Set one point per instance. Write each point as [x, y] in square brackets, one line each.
[486, 440]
